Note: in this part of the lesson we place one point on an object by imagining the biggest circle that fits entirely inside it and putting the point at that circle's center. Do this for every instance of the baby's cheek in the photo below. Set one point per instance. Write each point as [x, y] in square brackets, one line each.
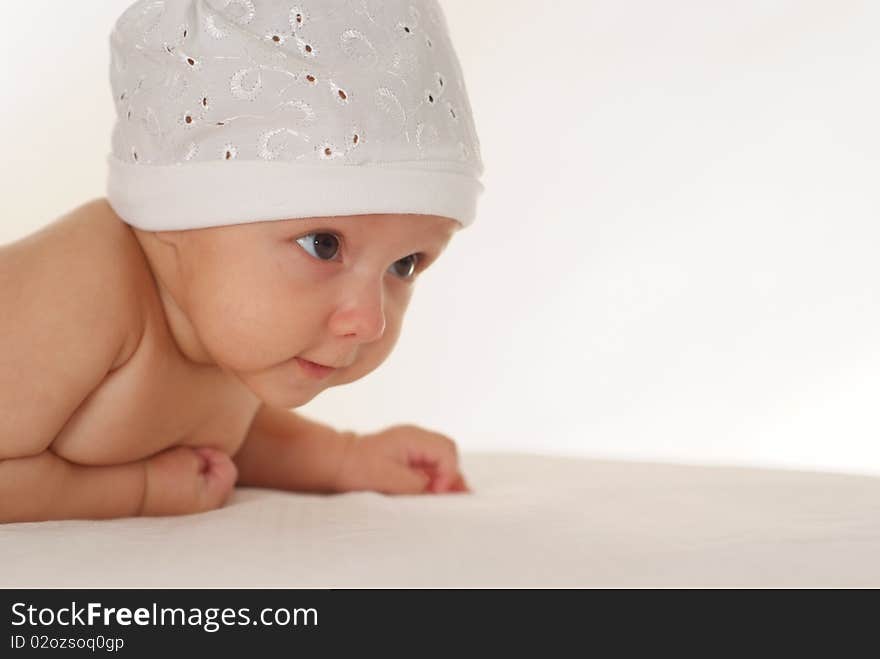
[243, 340]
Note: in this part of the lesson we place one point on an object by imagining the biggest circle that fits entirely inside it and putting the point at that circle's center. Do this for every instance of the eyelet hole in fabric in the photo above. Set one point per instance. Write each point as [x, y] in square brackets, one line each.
[326, 150]
[343, 95]
[311, 78]
[356, 138]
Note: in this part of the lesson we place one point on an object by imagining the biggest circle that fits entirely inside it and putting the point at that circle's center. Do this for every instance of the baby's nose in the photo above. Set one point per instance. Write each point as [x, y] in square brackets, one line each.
[364, 321]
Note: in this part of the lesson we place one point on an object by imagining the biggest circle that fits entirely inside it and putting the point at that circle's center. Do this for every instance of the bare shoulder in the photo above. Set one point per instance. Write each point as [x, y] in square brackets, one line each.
[87, 259]
[72, 313]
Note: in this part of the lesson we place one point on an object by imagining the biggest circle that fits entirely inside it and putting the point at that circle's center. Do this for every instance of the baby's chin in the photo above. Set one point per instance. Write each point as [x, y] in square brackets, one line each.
[281, 386]
[282, 396]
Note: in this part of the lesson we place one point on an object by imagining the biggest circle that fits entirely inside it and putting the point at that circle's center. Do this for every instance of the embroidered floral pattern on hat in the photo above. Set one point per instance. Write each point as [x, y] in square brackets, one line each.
[326, 82]
[369, 56]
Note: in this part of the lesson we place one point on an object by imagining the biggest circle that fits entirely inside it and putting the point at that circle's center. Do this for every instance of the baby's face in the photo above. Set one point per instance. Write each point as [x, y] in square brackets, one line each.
[332, 290]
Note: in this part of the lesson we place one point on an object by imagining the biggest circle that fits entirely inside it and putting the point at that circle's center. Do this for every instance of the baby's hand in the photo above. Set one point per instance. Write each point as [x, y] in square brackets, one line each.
[185, 480]
[402, 459]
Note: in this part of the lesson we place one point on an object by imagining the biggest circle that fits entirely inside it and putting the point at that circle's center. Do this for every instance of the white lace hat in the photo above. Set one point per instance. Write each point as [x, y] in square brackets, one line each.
[234, 111]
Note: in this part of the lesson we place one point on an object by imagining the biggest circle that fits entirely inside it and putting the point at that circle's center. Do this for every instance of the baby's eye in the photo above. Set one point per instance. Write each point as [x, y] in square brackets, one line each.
[407, 266]
[326, 245]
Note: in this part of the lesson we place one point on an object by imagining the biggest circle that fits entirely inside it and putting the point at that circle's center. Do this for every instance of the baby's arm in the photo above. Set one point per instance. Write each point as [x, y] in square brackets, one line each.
[284, 450]
[44, 487]
[177, 481]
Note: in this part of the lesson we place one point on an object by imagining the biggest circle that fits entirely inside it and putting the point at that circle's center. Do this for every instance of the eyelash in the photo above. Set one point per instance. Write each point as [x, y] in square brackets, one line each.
[420, 257]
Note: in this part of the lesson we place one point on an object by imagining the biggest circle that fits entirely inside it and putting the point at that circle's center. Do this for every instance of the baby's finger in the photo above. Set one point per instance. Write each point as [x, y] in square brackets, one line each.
[458, 485]
[445, 454]
[404, 480]
[437, 455]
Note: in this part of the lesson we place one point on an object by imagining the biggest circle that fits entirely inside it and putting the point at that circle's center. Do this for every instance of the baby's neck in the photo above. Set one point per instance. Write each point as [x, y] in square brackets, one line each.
[163, 268]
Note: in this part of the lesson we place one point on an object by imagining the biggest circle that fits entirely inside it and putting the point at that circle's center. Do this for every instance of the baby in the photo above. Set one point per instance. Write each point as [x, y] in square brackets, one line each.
[281, 175]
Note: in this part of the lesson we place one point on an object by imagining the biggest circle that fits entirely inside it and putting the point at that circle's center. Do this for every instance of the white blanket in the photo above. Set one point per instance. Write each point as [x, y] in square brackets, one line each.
[532, 521]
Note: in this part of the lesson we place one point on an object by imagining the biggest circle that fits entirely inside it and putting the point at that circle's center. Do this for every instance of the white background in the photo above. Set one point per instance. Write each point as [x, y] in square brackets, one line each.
[676, 257]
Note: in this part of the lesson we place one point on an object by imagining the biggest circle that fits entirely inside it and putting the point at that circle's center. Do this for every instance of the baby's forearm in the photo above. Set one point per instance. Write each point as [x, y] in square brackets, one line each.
[47, 487]
[284, 450]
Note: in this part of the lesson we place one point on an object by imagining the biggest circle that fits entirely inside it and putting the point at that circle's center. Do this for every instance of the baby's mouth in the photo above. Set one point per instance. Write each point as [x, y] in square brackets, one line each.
[314, 370]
